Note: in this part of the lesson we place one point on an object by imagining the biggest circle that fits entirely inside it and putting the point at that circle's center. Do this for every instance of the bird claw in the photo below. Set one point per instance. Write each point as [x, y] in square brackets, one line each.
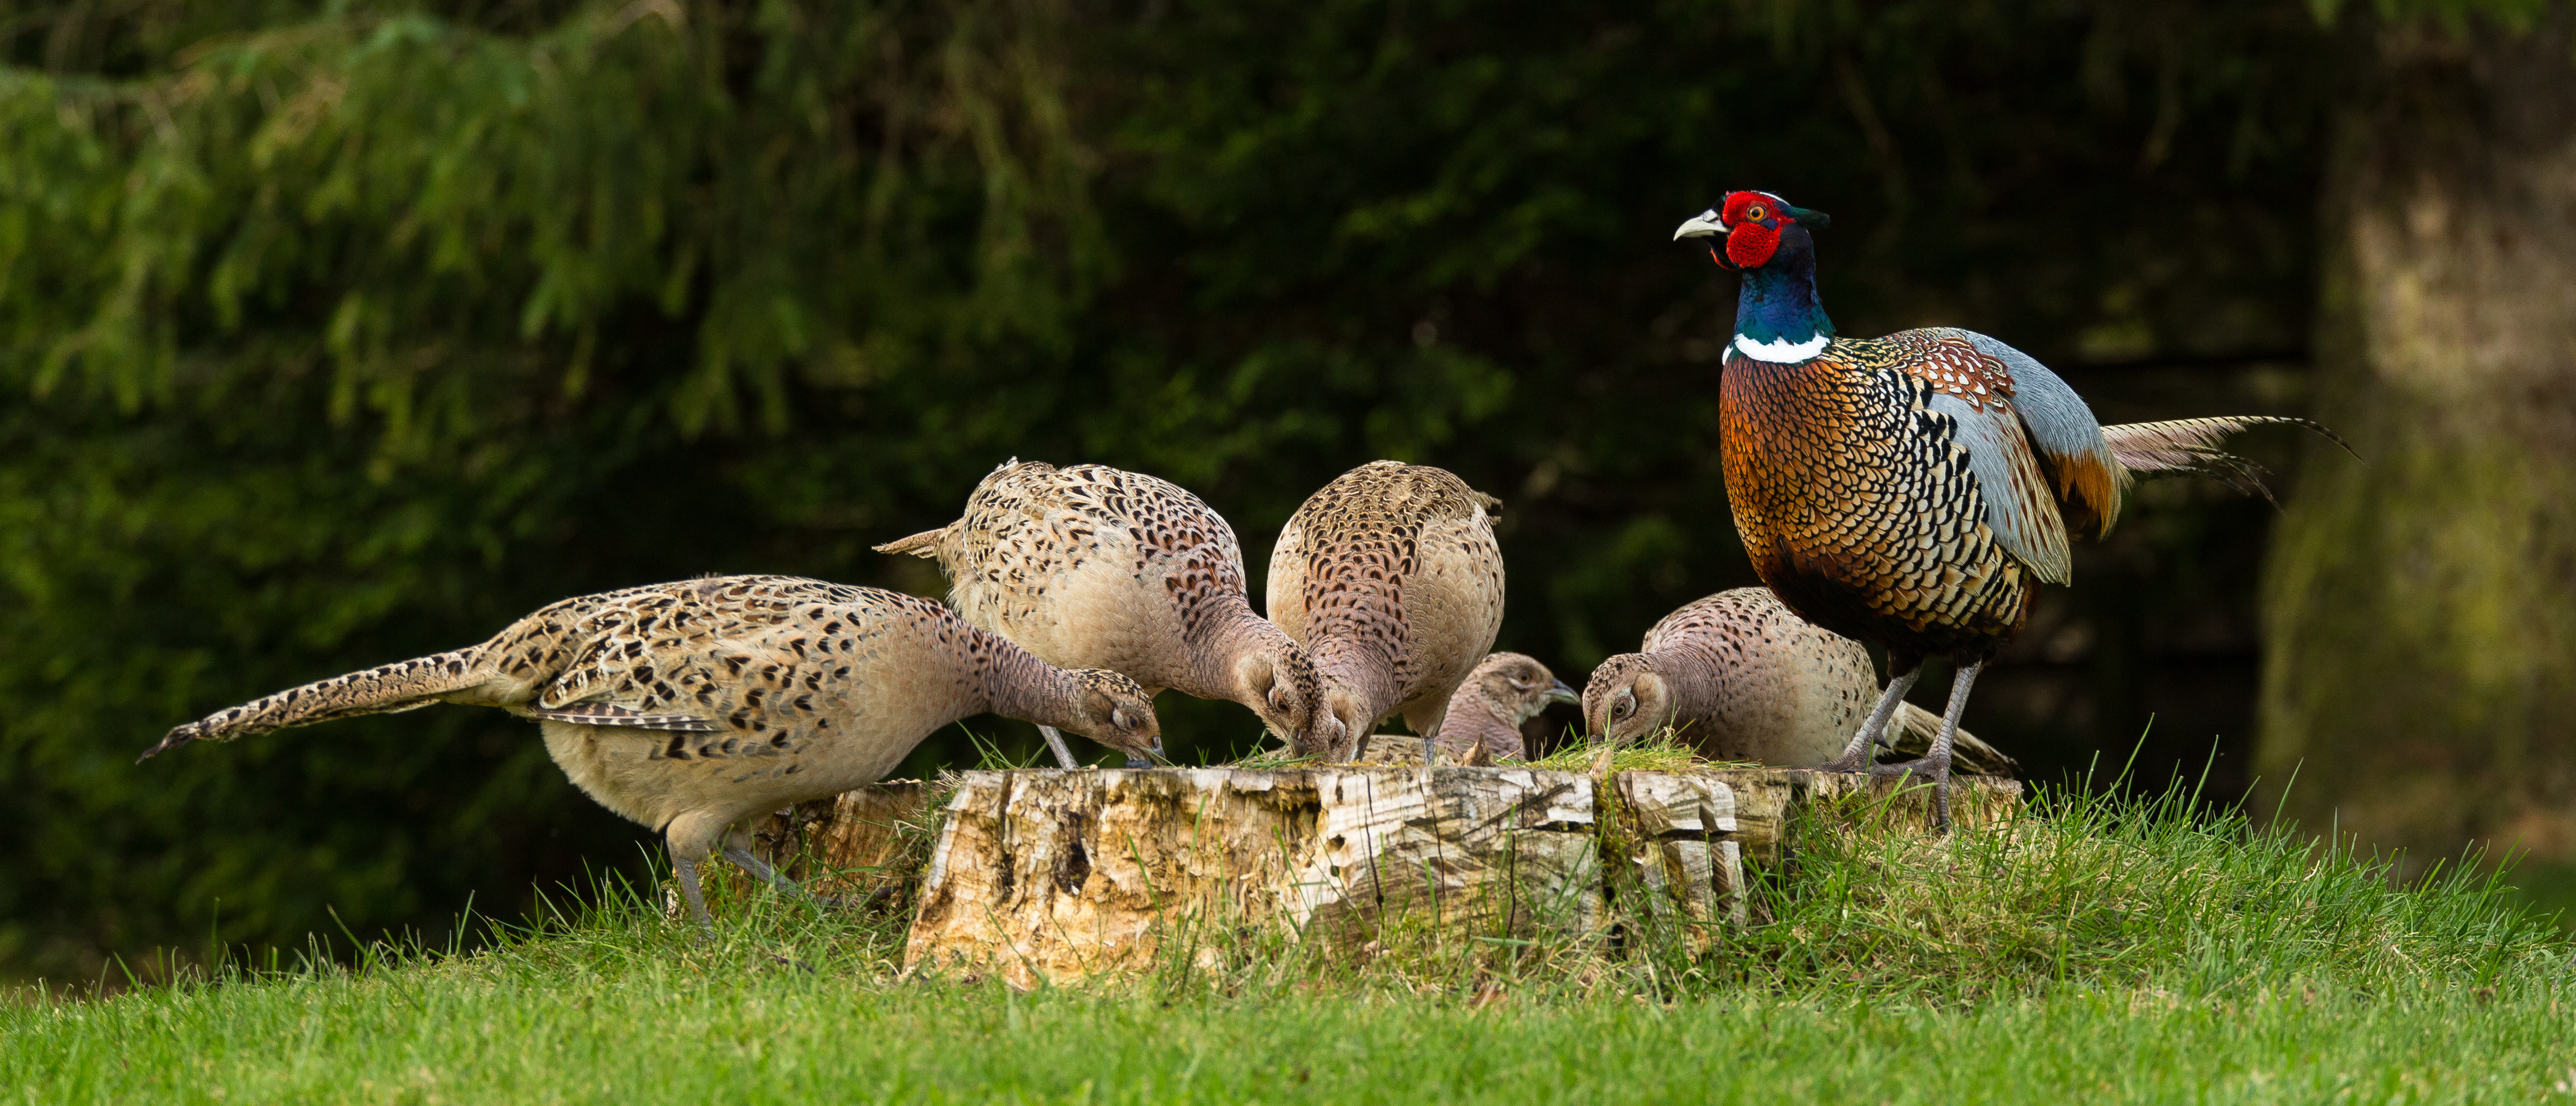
[1923, 767]
[1860, 762]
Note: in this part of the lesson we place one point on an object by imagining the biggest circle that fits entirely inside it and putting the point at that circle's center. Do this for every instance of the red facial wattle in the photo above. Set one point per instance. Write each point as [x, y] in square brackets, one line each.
[1750, 245]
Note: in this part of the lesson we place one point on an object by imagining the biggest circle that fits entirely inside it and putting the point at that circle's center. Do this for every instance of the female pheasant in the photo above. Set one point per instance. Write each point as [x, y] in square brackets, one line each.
[1391, 579]
[1742, 677]
[1911, 490]
[693, 706]
[1096, 567]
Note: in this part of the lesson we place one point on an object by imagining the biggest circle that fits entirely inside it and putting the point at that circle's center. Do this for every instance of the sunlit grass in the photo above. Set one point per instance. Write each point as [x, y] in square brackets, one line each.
[2102, 949]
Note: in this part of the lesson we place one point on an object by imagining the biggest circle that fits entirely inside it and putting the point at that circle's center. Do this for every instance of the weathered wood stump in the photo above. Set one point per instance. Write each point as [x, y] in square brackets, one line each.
[1694, 840]
[868, 843]
[1062, 874]
[1057, 875]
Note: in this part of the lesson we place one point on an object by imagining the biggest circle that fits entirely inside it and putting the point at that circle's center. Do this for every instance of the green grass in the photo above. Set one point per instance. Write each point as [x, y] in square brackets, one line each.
[2105, 950]
[1662, 751]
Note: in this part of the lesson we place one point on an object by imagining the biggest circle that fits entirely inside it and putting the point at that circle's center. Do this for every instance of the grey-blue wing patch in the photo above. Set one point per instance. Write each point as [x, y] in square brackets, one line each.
[610, 714]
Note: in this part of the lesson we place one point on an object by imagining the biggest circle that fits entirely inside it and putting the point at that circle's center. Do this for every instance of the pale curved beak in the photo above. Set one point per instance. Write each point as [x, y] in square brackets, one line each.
[1563, 694]
[1704, 225]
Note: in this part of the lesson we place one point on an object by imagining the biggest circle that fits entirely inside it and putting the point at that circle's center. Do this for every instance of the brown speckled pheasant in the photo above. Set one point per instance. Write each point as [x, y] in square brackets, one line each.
[1911, 490]
[691, 707]
[1745, 678]
[1486, 712]
[1391, 579]
[1094, 567]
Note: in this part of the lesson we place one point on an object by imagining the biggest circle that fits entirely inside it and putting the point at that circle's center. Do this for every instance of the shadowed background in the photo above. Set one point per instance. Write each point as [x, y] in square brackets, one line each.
[334, 334]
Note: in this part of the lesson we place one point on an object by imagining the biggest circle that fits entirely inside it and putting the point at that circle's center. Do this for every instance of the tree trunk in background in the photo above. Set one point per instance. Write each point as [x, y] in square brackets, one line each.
[2420, 667]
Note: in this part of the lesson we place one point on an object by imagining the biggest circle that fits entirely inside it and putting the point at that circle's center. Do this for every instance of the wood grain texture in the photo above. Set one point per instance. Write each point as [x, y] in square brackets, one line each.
[1054, 875]
[869, 842]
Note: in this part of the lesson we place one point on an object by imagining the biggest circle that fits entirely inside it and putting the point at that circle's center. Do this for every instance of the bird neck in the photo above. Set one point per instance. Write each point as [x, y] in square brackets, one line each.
[1687, 672]
[1218, 641]
[1477, 720]
[1219, 635]
[1018, 685]
[1778, 315]
[1364, 673]
[1482, 711]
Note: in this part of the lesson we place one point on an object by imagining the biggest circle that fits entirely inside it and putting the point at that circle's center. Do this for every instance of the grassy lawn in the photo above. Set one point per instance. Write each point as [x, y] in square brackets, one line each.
[2104, 951]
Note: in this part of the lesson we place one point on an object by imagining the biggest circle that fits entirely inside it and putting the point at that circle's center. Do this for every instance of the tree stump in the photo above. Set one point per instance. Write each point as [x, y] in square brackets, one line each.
[1695, 840]
[1044, 874]
[1062, 874]
[1679, 833]
[867, 843]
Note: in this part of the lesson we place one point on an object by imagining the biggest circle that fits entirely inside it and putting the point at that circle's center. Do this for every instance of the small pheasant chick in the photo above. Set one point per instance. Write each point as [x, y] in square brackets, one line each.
[1485, 715]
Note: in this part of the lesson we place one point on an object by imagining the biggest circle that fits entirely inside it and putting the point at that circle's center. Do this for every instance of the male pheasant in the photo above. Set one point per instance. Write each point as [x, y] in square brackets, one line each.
[1391, 579]
[1096, 567]
[1911, 490]
[690, 707]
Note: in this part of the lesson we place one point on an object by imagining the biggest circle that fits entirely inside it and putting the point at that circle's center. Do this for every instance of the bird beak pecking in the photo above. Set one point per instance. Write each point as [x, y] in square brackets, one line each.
[1155, 754]
[1563, 694]
[1704, 225]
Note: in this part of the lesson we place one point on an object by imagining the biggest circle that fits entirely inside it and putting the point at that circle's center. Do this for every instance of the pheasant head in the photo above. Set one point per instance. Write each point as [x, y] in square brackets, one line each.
[1626, 699]
[1111, 709]
[1277, 680]
[1778, 317]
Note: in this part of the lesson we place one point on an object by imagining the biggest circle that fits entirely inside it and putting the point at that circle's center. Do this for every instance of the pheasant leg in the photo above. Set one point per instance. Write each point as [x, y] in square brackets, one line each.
[1936, 763]
[687, 870]
[1063, 755]
[1863, 750]
[743, 859]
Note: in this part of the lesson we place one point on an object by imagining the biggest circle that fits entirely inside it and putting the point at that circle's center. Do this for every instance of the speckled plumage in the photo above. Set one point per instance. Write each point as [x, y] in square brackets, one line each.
[1095, 567]
[1483, 722]
[692, 706]
[1391, 579]
[1744, 678]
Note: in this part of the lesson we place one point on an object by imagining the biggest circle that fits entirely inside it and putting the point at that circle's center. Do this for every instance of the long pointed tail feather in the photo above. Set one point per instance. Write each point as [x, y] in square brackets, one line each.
[2191, 446]
[923, 544]
[394, 687]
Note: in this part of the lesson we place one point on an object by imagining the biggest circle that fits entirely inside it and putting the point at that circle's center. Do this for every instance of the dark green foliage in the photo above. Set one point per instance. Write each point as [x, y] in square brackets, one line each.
[341, 333]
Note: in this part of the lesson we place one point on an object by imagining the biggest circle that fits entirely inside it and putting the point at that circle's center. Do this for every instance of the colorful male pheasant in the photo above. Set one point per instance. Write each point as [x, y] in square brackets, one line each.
[1911, 490]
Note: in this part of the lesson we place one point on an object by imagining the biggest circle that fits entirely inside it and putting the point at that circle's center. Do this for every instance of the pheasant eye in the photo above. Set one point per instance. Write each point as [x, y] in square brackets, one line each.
[1754, 213]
